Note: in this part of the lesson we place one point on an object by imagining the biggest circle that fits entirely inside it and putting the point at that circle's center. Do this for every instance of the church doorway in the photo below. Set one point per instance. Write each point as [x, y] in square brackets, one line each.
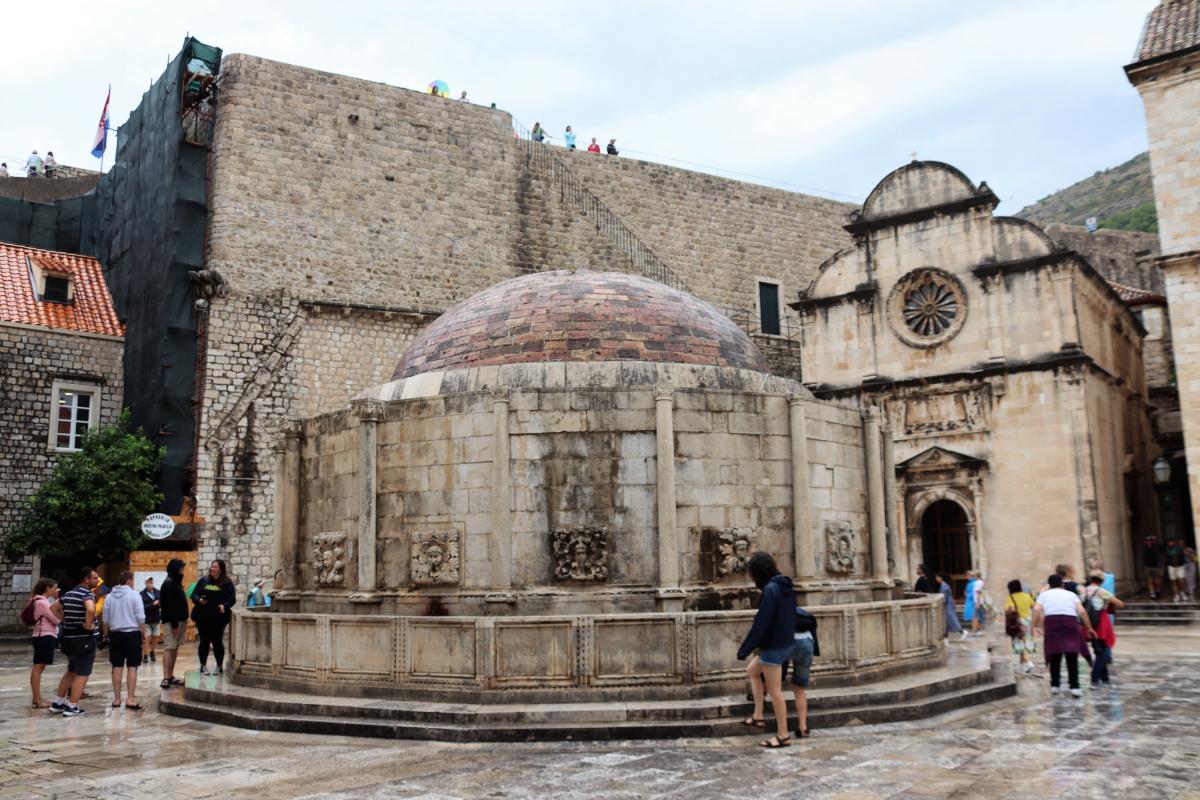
[946, 543]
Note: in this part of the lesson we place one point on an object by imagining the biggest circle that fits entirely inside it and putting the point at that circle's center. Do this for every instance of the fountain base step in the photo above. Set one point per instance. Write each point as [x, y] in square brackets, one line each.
[966, 681]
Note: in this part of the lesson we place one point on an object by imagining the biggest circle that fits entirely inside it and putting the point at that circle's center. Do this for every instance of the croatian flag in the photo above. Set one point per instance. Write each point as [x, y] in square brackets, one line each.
[101, 140]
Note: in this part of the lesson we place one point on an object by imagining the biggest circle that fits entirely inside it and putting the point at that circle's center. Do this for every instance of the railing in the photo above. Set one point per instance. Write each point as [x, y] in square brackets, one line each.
[542, 159]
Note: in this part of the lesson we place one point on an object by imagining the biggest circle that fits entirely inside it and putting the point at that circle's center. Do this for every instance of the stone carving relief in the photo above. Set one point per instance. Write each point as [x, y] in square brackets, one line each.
[734, 545]
[580, 554]
[329, 558]
[434, 560]
[841, 545]
[928, 415]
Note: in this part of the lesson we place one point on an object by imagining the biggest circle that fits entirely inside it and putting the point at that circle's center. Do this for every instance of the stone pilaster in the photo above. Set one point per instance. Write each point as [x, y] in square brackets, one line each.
[670, 596]
[875, 494]
[286, 566]
[369, 412]
[802, 538]
[500, 542]
[897, 558]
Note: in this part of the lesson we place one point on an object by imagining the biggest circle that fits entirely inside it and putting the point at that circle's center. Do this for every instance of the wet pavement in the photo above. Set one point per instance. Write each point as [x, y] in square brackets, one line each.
[1138, 740]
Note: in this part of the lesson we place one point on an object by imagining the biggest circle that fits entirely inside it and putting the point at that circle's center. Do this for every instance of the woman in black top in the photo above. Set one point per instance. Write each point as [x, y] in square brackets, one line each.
[214, 597]
[925, 582]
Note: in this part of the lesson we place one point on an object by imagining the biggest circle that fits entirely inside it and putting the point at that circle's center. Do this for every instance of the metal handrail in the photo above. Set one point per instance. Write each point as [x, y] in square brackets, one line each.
[644, 261]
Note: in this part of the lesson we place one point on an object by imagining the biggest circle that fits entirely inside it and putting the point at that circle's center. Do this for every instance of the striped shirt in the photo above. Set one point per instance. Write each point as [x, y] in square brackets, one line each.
[75, 611]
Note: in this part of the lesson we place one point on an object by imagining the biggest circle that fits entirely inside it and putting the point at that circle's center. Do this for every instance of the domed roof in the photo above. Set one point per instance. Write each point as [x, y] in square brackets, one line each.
[579, 316]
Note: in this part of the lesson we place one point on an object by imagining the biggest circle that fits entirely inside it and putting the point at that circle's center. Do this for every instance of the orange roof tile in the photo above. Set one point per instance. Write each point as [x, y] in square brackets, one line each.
[91, 310]
[1134, 296]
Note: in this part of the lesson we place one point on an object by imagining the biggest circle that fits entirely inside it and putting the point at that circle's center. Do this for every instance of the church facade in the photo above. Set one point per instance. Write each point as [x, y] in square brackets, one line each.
[1009, 373]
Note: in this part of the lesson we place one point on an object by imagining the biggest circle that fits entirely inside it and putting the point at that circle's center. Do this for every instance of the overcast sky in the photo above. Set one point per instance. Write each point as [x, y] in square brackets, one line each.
[825, 97]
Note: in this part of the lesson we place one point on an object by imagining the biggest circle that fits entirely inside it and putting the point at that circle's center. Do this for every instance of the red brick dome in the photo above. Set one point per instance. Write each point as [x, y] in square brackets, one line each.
[579, 316]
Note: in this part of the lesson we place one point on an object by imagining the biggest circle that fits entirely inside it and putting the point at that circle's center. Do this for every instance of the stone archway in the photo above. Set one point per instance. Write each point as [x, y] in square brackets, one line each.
[946, 541]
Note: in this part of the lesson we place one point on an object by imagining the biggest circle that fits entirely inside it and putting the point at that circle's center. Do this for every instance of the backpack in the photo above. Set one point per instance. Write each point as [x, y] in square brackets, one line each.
[1012, 621]
[27, 617]
[1093, 613]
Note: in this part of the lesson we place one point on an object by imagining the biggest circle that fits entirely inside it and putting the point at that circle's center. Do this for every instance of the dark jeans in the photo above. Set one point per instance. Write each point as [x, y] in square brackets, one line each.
[1072, 669]
[211, 634]
[1103, 659]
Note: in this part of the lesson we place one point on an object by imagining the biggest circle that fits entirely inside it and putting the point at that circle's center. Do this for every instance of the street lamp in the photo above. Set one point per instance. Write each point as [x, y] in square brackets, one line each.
[1162, 471]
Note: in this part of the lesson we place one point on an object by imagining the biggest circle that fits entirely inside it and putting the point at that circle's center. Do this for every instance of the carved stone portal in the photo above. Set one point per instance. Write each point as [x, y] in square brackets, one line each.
[434, 560]
[841, 545]
[580, 554]
[329, 558]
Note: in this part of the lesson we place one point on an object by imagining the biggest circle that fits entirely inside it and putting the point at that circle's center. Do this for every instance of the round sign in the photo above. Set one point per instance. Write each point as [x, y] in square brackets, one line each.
[158, 526]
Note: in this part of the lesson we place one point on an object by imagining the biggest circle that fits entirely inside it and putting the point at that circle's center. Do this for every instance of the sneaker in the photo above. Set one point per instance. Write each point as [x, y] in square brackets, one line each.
[965, 635]
[1028, 666]
[73, 711]
[1053, 690]
[152, 656]
[1077, 693]
[204, 669]
[58, 708]
[146, 659]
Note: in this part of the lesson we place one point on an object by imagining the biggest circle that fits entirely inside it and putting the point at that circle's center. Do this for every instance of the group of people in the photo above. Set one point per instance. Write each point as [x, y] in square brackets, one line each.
[35, 166]
[1072, 620]
[1180, 562]
[130, 624]
[538, 134]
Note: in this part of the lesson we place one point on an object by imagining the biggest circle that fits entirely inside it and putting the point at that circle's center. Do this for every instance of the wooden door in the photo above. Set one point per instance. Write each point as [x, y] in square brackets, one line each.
[945, 542]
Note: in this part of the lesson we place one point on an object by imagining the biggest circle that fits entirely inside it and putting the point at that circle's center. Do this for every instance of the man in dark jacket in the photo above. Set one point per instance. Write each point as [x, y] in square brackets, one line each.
[151, 605]
[773, 635]
[173, 607]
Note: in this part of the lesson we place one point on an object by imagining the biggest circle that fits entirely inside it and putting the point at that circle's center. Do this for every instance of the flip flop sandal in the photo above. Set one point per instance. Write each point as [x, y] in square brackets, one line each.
[41, 705]
[176, 682]
[116, 705]
[751, 722]
[166, 684]
[134, 707]
[774, 743]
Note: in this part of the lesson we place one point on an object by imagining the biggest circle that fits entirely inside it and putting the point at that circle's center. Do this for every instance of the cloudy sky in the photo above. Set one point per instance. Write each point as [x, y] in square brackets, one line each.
[813, 96]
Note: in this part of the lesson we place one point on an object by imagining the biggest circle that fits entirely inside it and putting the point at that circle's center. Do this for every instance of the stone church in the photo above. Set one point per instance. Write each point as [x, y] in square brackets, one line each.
[1008, 370]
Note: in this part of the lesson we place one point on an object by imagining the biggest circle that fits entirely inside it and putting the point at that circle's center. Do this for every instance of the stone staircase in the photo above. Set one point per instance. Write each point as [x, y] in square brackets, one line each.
[970, 682]
[1149, 612]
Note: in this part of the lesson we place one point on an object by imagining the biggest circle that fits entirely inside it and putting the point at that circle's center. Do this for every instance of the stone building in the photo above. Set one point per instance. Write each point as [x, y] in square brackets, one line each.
[1164, 71]
[60, 375]
[1008, 370]
[371, 209]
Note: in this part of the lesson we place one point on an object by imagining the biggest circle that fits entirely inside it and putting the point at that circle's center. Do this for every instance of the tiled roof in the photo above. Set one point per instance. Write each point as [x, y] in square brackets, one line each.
[91, 310]
[579, 316]
[1134, 296]
[1172, 26]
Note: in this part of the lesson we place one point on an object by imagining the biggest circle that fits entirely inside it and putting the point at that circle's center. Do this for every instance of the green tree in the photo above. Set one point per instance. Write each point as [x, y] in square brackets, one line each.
[95, 499]
[1143, 217]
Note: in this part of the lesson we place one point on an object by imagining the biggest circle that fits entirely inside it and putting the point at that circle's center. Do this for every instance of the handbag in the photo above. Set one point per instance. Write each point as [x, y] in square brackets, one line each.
[1012, 621]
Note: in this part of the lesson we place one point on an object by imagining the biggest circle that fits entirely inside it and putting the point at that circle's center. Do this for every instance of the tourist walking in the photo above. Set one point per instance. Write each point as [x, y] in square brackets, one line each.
[925, 583]
[972, 607]
[50, 165]
[78, 643]
[258, 595]
[152, 602]
[1059, 613]
[1151, 565]
[213, 598]
[1018, 623]
[807, 645]
[1189, 572]
[569, 138]
[46, 614]
[33, 165]
[1097, 601]
[948, 607]
[612, 148]
[174, 610]
[593, 147]
[773, 635]
[125, 623]
[1176, 574]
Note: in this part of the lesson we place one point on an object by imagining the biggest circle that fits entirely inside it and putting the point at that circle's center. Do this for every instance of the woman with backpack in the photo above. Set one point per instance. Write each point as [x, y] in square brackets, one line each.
[773, 635]
[214, 597]
[1018, 623]
[43, 613]
[1097, 601]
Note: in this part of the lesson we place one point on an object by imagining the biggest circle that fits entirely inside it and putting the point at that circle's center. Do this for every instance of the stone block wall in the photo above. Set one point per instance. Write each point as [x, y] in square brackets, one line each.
[31, 360]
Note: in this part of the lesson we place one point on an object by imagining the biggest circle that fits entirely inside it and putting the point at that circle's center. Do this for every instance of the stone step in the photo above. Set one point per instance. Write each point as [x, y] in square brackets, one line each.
[1129, 620]
[582, 729]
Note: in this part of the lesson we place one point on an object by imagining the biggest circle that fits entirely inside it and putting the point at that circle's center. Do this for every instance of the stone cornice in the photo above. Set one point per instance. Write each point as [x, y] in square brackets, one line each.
[864, 291]
[985, 197]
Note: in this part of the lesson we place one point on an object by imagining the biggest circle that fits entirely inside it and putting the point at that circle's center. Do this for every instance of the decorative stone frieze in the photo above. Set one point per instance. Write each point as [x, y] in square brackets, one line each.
[434, 558]
[580, 554]
[329, 558]
[841, 545]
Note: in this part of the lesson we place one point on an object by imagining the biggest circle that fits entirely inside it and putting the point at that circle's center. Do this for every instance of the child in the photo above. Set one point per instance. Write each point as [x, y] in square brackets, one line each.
[47, 614]
[1020, 602]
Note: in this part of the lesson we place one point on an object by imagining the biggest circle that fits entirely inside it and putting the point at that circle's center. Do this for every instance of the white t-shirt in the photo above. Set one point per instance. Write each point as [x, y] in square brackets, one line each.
[1058, 602]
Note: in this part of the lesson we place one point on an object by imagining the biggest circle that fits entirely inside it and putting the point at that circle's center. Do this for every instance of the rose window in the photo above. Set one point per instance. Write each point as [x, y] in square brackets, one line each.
[927, 307]
[930, 309]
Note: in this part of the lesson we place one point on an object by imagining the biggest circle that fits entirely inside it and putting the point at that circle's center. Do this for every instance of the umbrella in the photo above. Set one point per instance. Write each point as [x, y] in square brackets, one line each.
[439, 88]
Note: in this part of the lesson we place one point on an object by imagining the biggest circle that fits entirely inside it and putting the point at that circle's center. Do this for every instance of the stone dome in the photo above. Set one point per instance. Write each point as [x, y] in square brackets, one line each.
[579, 316]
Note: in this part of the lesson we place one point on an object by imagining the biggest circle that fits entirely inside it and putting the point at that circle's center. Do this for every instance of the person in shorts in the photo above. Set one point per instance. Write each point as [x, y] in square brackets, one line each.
[173, 606]
[806, 646]
[1151, 565]
[152, 603]
[77, 641]
[1177, 569]
[125, 624]
[46, 618]
[772, 636]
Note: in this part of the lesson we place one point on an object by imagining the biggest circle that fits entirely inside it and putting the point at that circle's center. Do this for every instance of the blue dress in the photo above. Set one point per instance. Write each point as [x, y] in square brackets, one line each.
[969, 601]
[952, 625]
